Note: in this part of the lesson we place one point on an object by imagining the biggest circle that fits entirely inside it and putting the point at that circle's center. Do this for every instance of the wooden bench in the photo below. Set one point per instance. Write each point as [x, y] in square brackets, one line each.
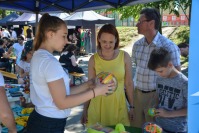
[3, 69]
[76, 76]
[9, 75]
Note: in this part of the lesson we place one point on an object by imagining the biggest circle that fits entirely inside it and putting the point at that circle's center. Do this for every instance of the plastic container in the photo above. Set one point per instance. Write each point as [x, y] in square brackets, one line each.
[13, 90]
[151, 127]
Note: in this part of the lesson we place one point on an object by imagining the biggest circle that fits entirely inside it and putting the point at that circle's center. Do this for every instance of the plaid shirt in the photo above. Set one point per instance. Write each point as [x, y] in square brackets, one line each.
[145, 79]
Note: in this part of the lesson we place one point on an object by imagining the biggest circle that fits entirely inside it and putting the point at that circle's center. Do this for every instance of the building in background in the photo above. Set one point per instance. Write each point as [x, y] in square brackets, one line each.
[173, 20]
[167, 18]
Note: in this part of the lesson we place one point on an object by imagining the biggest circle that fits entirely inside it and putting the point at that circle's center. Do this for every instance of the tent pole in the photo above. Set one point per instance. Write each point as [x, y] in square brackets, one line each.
[36, 20]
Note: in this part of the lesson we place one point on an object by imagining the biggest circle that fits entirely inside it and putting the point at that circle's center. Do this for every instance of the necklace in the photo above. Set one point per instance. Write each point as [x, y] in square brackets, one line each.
[108, 58]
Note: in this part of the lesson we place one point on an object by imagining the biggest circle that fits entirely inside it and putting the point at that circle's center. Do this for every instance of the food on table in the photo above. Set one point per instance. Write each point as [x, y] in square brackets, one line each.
[27, 110]
[150, 127]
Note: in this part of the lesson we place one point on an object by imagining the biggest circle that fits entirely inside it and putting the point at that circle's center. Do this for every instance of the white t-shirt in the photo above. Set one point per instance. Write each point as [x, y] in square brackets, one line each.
[18, 48]
[46, 68]
[25, 66]
[14, 35]
[5, 33]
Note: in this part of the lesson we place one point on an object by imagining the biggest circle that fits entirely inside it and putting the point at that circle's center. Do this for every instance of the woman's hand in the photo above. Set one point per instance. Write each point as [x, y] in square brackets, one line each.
[103, 89]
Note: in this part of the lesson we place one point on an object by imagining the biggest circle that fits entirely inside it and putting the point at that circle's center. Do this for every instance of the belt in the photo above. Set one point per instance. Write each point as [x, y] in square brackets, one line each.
[146, 91]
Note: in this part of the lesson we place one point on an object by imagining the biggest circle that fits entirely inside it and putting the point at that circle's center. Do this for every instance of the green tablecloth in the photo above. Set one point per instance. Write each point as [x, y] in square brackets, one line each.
[131, 129]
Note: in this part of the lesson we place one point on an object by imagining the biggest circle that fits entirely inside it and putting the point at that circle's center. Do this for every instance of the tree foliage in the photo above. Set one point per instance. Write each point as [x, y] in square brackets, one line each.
[171, 5]
[4, 13]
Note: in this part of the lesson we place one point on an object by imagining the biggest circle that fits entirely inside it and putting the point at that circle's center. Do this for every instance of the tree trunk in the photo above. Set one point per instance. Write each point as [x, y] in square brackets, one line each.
[3, 13]
[190, 13]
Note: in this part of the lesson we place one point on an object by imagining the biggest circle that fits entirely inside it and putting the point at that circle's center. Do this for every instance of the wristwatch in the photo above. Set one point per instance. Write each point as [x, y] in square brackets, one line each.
[131, 107]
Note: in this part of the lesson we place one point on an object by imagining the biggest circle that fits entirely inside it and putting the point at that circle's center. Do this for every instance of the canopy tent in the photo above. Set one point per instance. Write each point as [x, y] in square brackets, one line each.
[88, 19]
[42, 6]
[10, 17]
[63, 16]
[23, 19]
[88, 16]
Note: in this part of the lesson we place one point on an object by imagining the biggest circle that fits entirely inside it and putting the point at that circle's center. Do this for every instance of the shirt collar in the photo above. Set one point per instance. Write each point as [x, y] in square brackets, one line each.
[155, 40]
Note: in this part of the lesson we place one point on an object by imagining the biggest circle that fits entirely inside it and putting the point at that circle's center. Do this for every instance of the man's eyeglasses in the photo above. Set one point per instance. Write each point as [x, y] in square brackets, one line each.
[140, 22]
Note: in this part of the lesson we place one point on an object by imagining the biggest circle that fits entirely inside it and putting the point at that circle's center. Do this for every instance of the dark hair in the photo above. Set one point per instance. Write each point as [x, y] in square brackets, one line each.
[26, 50]
[159, 57]
[70, 48]
[21, 37]
[108, 28]
[46, 23]
[183, 45]
[6, 38]
[152, 14]
[1, 41]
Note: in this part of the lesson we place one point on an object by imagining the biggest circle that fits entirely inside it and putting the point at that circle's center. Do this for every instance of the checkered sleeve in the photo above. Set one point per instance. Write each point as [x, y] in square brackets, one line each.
[134, 53]
[175, 54]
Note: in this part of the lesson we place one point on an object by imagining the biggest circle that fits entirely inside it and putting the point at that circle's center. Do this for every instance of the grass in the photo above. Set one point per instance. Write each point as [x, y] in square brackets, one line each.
[180, 34]
[126, 34]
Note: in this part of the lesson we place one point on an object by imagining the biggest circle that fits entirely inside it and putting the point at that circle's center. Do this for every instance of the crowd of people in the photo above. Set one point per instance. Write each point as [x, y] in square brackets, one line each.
[158, 81]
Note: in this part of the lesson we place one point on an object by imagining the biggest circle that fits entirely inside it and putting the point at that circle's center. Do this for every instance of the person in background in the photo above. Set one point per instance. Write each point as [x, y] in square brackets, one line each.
[24, 64]
[184, 49]
[8, 43]
[5, 33]
[49, 83]
[78, 39]
[29, 33]
[17, 50]
[5, 39]
[112, 109]
[69, 61]
[0, 32]
[4, 57]
[145, 79]
[6, 115]
[13, 33]
[72, 40]
[172, 91]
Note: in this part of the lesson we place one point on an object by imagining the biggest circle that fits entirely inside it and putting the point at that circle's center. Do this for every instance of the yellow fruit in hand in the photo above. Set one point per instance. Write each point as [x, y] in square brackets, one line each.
[107, 79]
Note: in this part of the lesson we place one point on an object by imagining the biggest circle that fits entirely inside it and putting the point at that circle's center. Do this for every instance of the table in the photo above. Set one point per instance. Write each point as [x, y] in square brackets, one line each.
[131, 129]
[16, 100]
